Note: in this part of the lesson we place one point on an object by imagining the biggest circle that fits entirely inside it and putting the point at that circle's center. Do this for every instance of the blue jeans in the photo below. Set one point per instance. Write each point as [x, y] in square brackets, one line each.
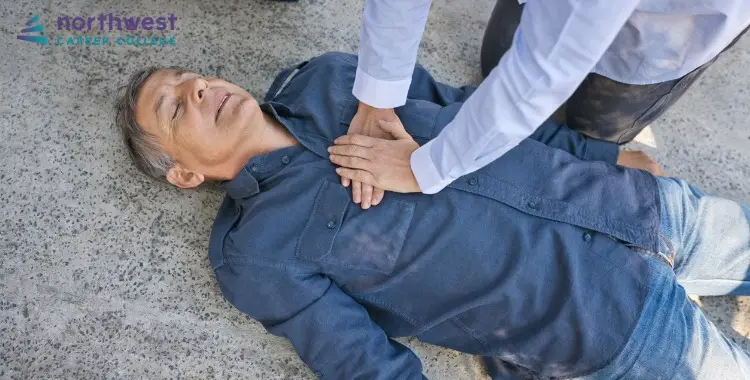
[706, 251]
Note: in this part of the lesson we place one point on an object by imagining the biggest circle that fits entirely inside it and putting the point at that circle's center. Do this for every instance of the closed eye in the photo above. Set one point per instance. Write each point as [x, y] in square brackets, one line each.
[176, 109]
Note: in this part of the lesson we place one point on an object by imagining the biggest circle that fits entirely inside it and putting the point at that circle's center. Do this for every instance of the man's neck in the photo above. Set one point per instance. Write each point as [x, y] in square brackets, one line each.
[272, 136]
[275, 136]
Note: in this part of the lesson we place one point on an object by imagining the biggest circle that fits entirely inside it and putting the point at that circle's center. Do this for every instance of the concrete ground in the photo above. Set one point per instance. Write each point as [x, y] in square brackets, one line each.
[104, 274]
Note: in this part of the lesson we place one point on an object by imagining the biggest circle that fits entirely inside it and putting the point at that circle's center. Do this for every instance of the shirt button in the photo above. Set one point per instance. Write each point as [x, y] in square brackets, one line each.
[473, 182]
[318, 374]
[285, 160]
[531, 205]
[331, 225]
[586, 236]
[254, 167]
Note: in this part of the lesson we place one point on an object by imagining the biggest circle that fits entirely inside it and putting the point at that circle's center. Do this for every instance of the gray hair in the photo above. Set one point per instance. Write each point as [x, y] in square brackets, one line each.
[143, 147]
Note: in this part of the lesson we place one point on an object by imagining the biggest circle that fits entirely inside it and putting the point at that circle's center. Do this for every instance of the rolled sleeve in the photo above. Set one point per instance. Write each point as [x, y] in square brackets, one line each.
[380, 93]
[428, 177]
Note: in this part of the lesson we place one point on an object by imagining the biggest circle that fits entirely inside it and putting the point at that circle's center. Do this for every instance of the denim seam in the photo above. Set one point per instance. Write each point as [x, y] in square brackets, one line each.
[222, 250]
[377, 301]
[575, 215]
[584, 155]
[298, 251]
[577, 211]
[290, 267]
[471, 333]
[340, 265]
[589, 246]
[659, 205]
[221, 245]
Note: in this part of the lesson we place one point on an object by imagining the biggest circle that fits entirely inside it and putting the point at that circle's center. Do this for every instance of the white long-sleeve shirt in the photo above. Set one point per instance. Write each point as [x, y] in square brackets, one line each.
[557, 43]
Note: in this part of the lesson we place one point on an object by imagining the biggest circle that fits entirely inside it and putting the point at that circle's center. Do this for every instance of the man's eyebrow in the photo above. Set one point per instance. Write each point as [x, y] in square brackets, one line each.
[178, 73]
[158, 106]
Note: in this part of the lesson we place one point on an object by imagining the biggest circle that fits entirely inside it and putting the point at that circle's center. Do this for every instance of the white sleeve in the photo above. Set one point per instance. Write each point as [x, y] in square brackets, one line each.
[557, 43]
[389, 40]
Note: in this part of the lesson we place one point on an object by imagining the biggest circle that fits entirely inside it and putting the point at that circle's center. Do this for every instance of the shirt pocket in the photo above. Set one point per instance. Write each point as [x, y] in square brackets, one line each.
[343, 236]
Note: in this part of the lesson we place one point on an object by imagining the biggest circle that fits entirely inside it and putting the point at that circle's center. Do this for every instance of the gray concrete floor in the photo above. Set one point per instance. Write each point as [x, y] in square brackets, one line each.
[104, 274]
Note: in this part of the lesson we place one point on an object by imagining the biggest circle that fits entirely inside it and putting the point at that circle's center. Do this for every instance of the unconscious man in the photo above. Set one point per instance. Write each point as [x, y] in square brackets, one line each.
[552, 258]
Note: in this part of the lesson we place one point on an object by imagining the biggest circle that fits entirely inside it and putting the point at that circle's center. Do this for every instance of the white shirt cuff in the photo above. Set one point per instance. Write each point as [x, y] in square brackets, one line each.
[428, 178]
[380, 93]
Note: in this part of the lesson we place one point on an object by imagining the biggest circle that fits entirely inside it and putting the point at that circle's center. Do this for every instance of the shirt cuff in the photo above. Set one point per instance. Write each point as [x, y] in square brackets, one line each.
[428, 178]
[600, 150]
[380, 93]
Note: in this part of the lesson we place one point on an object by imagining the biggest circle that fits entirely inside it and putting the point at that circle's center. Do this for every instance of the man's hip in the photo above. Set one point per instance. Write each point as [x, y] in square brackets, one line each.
[705, 251]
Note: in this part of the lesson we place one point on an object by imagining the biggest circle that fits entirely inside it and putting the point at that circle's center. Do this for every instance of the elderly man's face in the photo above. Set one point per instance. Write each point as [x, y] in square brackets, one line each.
[198, 121]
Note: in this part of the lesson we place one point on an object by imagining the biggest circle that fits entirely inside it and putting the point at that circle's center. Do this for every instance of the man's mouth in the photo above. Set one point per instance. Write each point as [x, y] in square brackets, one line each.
[222, 98]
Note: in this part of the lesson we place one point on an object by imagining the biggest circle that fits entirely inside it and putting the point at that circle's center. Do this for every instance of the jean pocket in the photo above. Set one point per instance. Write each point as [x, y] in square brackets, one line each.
[340, 235]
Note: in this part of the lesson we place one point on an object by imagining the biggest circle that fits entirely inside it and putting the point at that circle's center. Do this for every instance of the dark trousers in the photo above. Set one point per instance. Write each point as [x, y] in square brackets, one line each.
[600, 107]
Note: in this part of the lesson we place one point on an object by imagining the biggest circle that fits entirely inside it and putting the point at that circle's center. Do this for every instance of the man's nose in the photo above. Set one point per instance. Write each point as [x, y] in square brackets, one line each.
[196, 90]
[200, 90]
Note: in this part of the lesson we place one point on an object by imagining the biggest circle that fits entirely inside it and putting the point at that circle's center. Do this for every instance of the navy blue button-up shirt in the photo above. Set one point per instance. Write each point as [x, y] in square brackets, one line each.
[523, 259]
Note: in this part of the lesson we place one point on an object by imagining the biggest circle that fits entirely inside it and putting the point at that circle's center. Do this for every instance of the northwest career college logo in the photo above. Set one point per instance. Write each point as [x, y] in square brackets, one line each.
[39, 28]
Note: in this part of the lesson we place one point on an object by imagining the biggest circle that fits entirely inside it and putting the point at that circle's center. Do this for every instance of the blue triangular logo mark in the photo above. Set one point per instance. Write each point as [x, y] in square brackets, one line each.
[41, 40]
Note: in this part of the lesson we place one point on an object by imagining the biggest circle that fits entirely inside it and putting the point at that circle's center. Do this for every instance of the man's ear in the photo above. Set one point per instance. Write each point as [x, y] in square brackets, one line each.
[184, 178]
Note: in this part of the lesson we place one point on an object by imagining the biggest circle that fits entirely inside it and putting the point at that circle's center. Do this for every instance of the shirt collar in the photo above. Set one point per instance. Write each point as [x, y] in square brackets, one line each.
[259, 168]
[246, 183]
[281, 80]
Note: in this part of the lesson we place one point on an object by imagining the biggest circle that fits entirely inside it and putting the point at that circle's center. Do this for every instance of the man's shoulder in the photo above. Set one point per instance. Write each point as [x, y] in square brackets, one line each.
[325, 67]
[335, 57]
[252, 233]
